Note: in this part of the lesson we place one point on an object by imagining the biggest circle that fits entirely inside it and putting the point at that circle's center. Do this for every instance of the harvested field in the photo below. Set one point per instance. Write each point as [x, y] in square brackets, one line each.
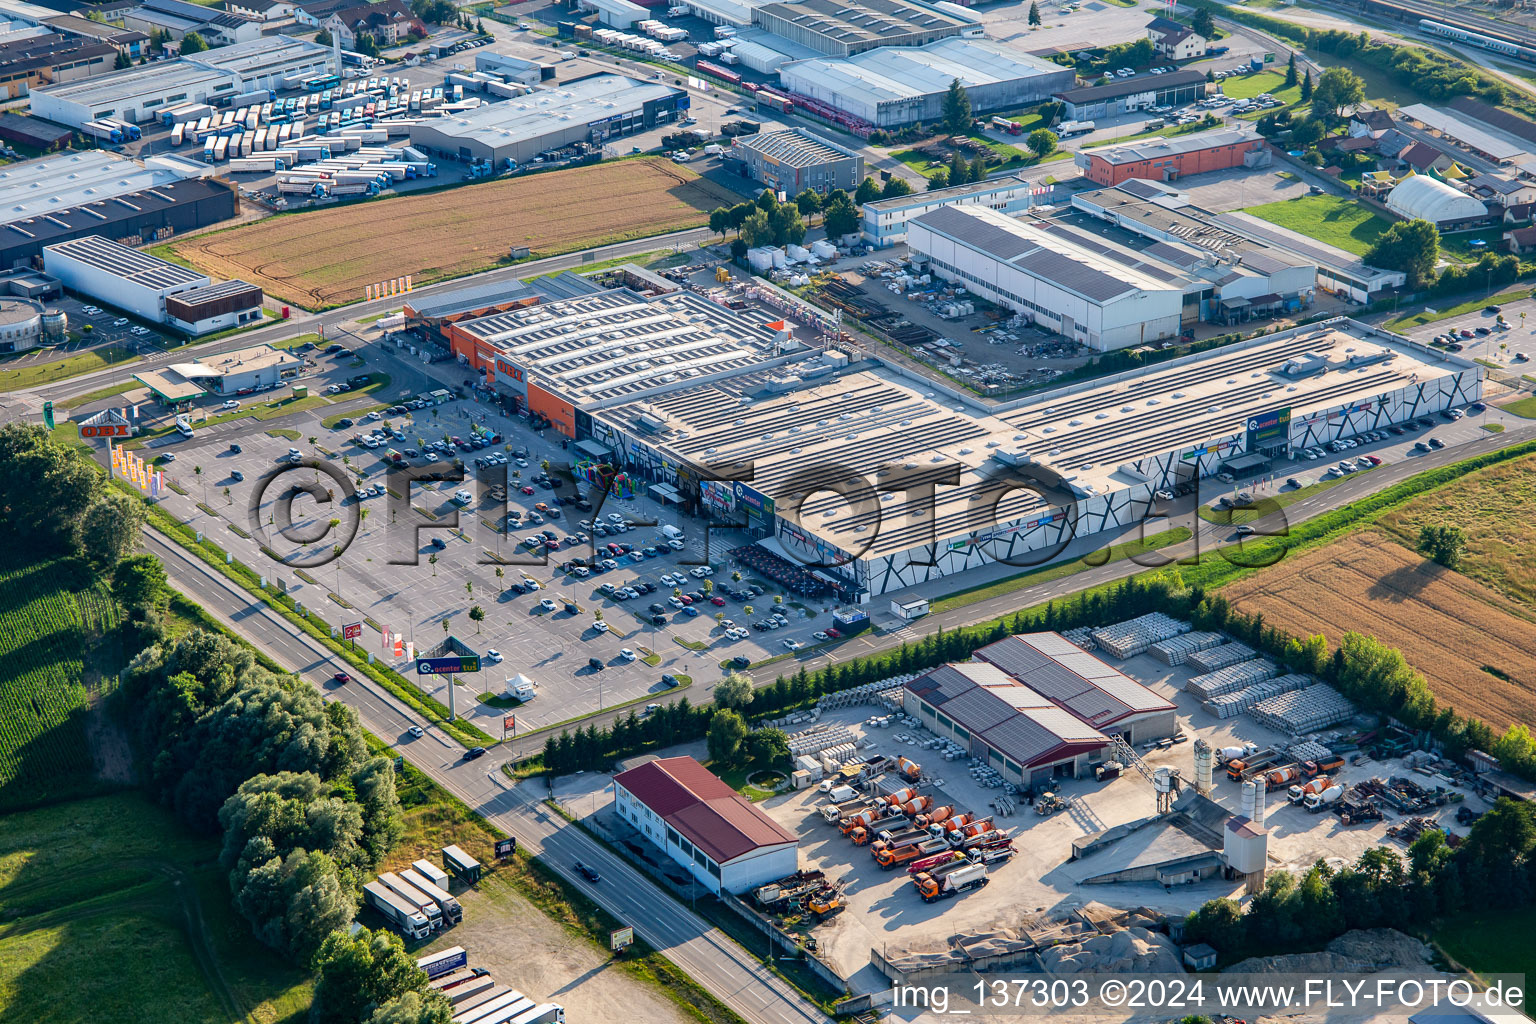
[1492, 507]
[1449, 627]
[323, 258]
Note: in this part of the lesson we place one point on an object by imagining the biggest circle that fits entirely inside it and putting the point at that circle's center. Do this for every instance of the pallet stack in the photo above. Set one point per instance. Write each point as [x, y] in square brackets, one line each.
[1303, 711]
[1230, 705]
[1230, 679]
[1220, 657]
[1178, 650]
[1134, 636]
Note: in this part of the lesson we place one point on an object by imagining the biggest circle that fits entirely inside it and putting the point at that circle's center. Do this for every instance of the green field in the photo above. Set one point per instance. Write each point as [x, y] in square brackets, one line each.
[1244, 87]
[114, 912]
[1332, 219]
[50, 635]
[25, 372]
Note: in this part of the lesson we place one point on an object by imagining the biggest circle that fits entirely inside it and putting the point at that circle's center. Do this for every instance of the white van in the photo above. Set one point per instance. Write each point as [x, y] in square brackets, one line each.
[463, 497]
[671, 533]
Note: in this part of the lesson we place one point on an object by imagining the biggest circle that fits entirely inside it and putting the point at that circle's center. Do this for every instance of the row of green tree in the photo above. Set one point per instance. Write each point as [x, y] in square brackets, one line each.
[232, 747]
[1373, 675]
[1494, 867]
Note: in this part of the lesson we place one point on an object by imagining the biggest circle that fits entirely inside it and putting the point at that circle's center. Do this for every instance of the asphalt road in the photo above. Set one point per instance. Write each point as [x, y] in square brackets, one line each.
[705, 953]
[302, 322]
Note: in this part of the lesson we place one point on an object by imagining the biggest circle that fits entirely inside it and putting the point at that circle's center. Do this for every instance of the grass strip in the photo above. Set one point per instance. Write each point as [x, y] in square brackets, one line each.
[17, 378]
[997, 588]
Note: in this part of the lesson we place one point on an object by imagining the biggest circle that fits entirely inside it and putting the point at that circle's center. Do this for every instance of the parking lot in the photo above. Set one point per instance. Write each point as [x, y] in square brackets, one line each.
[450, 566]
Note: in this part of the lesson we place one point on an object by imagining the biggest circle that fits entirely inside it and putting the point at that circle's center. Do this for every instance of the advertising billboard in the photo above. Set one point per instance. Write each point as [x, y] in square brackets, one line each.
[1268, 430]
[351, 630]
[754, 501]
[450, 663]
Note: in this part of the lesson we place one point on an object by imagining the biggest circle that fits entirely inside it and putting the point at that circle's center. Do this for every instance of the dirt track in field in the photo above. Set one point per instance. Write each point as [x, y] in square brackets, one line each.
[1451, 628]
[326, 257]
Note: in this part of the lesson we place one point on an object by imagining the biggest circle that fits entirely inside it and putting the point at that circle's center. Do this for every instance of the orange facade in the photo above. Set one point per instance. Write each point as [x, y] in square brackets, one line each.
[557, 410]
[1171, 166]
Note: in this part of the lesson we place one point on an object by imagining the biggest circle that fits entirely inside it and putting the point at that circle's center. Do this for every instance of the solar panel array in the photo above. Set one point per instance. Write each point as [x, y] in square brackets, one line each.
[129, 264]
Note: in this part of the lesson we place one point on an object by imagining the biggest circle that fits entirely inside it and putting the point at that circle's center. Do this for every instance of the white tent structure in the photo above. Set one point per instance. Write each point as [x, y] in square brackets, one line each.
[1433, 200]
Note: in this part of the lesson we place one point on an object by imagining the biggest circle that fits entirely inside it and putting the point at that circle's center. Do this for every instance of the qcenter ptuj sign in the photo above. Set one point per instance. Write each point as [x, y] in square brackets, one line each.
[447, 665]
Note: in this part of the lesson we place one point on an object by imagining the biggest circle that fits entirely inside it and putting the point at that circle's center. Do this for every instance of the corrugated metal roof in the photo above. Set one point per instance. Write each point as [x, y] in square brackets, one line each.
[1072, 678]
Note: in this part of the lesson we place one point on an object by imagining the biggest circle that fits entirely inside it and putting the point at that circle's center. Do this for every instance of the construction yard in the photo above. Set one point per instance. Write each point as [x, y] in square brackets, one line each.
[883, 911]
[1476, 648]
[323, 258]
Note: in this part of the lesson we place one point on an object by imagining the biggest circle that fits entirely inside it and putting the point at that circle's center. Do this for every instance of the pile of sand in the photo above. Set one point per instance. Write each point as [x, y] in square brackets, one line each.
[1357, 952]
[1132, 951]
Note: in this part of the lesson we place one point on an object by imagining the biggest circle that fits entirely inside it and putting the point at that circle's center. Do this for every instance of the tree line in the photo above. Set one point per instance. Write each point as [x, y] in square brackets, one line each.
[1494, 867]
[1376, 677]
[235, 749]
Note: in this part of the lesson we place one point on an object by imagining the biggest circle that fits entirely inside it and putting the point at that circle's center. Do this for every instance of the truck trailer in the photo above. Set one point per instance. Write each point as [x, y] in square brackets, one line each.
[452, 911]
[408, 892]
[405, 918]
[951, 881]
[890, 856]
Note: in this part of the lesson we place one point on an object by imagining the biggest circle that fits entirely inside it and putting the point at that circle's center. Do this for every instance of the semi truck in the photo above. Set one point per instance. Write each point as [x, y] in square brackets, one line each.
[917, 867]
[832, 813]
[452, 911]
[420, 900]
[862, 832]
[468, 988]
[950, 880]
[544, 1013]
[890, 856]
[402, 916]
[1067, 129]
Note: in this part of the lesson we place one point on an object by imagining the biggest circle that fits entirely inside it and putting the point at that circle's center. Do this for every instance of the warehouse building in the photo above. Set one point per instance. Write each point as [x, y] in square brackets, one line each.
[178, 17]
[1017, 731]
[885, 220]
[138, 94]
[1072, 288]
[1234, 278]
[33, 132]
[1126, 95]
[581, 353]
[894, 86]
[1017, 484]
[124, 278]
[36, 60]
[1160, 159]
[1083, 686]
[214, 307]
[589, 111]
[793, 160]
[512, 69]
[74, 195]
[719, 836]
[842, 29]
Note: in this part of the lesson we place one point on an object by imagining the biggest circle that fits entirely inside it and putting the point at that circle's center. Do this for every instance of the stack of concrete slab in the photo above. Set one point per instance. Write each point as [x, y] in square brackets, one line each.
[1308, 750]
[1230, 705]
[1134, 636]
[1178, 650]
[1303, 711]
[814, 741]
[1230, 679]
[1220, 657]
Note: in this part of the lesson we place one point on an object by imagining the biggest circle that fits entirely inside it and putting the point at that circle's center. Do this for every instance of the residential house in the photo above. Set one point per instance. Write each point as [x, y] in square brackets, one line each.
[1520, 241]
[1175, 41]
[48, 59]
[129, 42]
[1504, 190]
[1519, 213]
[178, 18]
[1423, 158]
[261, 10]
[1369, 122]
[389, 22]
[314, 12]
[1392, 142]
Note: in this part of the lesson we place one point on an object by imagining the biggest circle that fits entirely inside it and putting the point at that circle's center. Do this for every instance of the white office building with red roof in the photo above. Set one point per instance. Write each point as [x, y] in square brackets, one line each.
[704, 825]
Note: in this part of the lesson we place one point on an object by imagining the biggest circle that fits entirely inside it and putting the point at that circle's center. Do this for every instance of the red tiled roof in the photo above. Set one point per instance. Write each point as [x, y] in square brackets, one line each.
[713, 816]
